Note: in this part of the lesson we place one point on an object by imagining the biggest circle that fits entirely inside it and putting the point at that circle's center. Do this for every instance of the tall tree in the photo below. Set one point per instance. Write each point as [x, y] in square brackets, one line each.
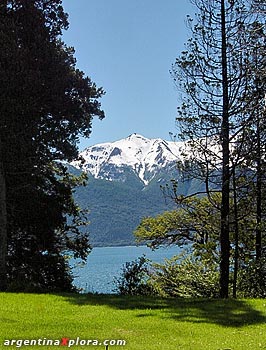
[7, 41]
[213, 75]
[257, 60]
[225, 131]
[46, 104]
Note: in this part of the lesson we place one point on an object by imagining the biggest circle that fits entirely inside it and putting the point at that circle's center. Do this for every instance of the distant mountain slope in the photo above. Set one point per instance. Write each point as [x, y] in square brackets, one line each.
[124, 185]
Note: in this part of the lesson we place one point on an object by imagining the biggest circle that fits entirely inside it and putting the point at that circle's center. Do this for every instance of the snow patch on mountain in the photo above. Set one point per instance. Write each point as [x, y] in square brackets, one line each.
[145, 157]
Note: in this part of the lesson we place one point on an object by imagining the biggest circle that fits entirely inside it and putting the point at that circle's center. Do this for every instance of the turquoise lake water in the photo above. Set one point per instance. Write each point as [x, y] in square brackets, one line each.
[104, 263]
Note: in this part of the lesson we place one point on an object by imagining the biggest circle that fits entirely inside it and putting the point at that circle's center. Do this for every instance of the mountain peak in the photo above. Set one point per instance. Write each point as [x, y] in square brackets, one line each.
[136, 154]
[136, 136]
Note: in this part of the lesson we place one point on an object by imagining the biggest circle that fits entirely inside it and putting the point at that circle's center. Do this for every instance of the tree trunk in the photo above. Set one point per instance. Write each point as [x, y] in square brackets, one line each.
[3, 228]
[259, 194]
[225, 206]
[236, 254]
[3, 212]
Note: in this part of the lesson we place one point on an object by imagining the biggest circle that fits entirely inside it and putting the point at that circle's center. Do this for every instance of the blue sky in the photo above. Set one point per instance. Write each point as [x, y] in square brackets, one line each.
[128, 47]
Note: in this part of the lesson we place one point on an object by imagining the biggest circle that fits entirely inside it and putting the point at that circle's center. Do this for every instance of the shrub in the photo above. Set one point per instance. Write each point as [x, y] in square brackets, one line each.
[134, 279]
[187, 276]
[252, 279]
[181, 276]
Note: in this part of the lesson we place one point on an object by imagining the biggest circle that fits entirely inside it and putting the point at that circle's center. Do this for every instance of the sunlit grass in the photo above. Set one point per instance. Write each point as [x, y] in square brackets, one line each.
[145, 323]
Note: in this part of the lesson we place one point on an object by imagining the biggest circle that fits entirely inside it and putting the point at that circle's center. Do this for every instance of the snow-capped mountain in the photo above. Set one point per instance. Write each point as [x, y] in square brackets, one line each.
[125, 179]
[143, 157]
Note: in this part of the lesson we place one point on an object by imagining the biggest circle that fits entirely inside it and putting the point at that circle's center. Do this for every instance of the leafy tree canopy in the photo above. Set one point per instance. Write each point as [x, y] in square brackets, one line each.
[46, 104]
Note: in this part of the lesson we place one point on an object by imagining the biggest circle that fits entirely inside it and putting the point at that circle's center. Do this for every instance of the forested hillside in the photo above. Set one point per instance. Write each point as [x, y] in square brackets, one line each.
[116, 208]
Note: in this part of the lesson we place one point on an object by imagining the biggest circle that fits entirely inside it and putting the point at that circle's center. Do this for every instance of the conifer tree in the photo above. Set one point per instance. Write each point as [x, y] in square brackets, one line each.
[213, 75]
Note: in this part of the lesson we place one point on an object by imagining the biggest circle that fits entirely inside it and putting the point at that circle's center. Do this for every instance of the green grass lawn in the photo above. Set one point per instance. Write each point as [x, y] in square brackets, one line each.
[145, 323]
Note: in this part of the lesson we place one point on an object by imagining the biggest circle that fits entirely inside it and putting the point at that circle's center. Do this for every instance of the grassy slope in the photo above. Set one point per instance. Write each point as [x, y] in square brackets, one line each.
[145, 323]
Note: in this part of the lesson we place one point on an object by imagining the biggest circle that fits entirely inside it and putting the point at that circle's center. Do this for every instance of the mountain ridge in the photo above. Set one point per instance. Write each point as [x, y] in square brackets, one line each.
[145, 157]
[124, 185]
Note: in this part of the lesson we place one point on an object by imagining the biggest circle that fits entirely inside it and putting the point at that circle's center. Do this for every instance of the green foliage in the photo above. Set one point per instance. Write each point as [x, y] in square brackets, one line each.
[195, 224]
[46, 104]
[186, 277]
[252, 279]
[195, 221]
[134, 278]
[221, 116]
[50, 273]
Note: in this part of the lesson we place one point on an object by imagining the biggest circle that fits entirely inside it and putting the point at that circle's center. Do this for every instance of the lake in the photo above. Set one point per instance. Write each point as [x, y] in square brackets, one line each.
[105, 263]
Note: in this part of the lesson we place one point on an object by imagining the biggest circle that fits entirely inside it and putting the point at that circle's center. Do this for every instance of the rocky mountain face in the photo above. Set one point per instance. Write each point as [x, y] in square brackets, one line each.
[124, 185]
[145, 158]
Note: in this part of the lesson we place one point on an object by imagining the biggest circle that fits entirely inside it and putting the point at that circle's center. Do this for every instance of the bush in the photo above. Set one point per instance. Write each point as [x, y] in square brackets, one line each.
[134, 279]
[187, 276]
[51, 273]
[252, 279]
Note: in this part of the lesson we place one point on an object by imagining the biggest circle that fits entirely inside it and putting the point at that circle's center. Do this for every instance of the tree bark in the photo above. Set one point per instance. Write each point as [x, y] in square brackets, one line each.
[3, 211]
[225, 206]
[3, 227]
[259, 193]
[236, 243]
